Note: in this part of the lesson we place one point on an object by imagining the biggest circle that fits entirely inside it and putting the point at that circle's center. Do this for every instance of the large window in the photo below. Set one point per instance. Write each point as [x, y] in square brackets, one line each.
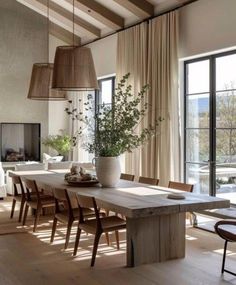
[106, 90]
[210, 124]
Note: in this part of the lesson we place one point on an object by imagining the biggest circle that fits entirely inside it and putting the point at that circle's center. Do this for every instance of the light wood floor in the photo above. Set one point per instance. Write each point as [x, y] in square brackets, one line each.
[27, 258]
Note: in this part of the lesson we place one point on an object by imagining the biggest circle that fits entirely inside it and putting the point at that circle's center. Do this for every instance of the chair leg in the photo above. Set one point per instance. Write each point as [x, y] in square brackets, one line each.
[43, 211]
[107, 238]
[224, 256]
[36, 220]
[77, 241]
[194, 219]
[22, 203]
[69, 226]
[25, 214]
[117, 239]
[95, 247]
[13, 207]
[54, 226]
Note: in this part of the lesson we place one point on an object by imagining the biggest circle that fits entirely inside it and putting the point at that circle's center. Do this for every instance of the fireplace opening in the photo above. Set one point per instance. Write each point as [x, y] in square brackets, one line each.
[20, 142]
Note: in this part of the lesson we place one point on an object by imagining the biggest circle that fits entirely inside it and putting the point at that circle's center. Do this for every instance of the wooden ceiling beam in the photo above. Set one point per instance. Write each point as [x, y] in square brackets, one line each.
[78, 21]
[63, 34]
[62, 18]
[141, 8]
[100, 13]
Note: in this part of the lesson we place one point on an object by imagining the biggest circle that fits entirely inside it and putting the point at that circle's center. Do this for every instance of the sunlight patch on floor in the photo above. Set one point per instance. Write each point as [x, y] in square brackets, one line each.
[188, 237]
[221, 251]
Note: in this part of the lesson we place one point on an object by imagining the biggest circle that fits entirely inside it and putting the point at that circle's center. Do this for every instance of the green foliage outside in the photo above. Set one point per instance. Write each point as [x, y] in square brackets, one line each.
[61, 143]
[114, 129]
[198, 140]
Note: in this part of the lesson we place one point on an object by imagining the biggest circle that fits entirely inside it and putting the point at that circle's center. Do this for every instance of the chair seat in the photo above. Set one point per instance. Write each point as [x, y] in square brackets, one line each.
[228, 232]
[63, 216]
[46, 201]
[111, 223]
[18, 197]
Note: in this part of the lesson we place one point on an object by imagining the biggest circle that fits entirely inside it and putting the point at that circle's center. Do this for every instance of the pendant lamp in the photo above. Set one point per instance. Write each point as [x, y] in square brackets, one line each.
[74, 68]
[41, 79]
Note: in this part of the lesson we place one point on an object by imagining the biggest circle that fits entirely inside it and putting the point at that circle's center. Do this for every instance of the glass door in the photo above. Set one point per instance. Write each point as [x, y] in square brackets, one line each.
[210, 125]
[197, 124]
[225, 71]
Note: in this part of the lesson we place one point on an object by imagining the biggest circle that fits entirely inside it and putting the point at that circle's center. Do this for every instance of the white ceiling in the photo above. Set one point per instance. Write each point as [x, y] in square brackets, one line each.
[40, 6]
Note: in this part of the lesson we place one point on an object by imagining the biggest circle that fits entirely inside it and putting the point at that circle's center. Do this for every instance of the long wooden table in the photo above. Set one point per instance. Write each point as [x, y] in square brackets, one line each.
[155, 223]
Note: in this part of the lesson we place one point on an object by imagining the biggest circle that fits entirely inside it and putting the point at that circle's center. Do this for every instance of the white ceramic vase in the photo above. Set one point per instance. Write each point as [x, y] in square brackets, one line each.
[108, 170]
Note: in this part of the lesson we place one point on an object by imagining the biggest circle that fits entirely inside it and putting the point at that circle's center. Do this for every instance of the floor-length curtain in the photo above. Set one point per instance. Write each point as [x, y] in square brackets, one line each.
[157, 65]
[132, 58]
[162, 157]
[77, 100]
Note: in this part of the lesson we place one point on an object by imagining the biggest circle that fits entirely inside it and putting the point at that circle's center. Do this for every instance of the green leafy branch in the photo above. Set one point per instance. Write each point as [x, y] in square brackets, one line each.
[113, 130]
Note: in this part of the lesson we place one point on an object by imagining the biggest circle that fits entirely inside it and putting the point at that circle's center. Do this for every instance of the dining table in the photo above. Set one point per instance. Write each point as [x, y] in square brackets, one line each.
[155, 222]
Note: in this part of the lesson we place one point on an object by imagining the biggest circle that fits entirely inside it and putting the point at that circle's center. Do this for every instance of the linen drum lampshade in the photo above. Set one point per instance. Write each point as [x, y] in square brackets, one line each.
[40, 84]
[74, 69]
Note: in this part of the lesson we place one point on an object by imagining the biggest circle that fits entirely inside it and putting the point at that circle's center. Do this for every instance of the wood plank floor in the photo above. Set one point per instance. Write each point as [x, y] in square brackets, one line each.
[27, 258]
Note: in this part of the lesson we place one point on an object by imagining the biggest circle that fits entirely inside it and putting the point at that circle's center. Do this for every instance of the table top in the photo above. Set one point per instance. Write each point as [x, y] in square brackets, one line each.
[132, 199]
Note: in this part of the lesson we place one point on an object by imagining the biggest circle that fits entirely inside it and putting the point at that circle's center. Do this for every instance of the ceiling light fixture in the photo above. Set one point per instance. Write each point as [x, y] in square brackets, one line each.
[41, 78]
[74, 67]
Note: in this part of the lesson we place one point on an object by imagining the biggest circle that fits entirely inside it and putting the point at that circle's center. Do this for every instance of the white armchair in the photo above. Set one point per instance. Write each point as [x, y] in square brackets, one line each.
[22, 167]
[3, 191]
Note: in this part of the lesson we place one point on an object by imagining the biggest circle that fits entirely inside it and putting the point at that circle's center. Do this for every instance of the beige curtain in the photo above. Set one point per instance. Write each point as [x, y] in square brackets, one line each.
[157, 64]
[132, 57]
[78, 99]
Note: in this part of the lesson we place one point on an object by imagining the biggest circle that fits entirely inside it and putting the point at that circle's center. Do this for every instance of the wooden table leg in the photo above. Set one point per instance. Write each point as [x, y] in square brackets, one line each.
[155, 239]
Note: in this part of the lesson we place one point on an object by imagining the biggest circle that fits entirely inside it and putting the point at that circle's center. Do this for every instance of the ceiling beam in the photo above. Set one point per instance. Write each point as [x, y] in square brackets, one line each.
[63, 34]
[62, 18]
[100, 13]
[141, 8]
[78, 21]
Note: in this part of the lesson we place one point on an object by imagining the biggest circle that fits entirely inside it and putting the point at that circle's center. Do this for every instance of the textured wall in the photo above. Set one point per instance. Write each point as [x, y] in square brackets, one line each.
[104, 55]
[58, 119]
[207, 26]
[23, 41]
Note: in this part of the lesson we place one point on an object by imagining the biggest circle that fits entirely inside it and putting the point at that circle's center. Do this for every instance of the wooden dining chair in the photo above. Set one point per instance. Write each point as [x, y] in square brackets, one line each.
[35, 199]
[226, 229]
[181, 186]
[18, 196]
[187, 188]
[96, 226]
[67, 211]
[128, 177]
[147, 180]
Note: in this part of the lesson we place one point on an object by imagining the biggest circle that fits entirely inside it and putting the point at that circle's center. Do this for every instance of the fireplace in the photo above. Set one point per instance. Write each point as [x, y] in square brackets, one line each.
[20, 142]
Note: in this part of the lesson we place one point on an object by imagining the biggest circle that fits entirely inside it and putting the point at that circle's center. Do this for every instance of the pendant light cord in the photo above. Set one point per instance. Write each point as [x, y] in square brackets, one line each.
[73, 22]
[48, 23]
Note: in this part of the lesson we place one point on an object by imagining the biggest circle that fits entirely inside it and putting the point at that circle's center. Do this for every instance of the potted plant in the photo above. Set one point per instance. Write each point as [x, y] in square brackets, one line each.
[62, 143]
[113, 129]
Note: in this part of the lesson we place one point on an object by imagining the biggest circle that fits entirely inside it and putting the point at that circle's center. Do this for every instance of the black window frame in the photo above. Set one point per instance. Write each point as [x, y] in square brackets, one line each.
[212, 115]
[98, 93]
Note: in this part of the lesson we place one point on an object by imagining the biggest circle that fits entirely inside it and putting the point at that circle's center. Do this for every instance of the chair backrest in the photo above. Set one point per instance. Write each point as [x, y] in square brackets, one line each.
[181, 186]
[59, 165]
[147, 180]
[88, 202]
[31, 188]
[17, 184]
[32, 166]
[61, 195]
[128, 177]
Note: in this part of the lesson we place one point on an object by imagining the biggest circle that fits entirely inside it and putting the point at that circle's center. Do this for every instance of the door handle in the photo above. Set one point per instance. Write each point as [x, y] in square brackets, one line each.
[209, 162]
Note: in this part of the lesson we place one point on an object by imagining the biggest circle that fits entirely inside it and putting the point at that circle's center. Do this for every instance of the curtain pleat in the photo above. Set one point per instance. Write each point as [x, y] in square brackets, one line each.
[149, 52]
[78, 153]
[132, 57]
